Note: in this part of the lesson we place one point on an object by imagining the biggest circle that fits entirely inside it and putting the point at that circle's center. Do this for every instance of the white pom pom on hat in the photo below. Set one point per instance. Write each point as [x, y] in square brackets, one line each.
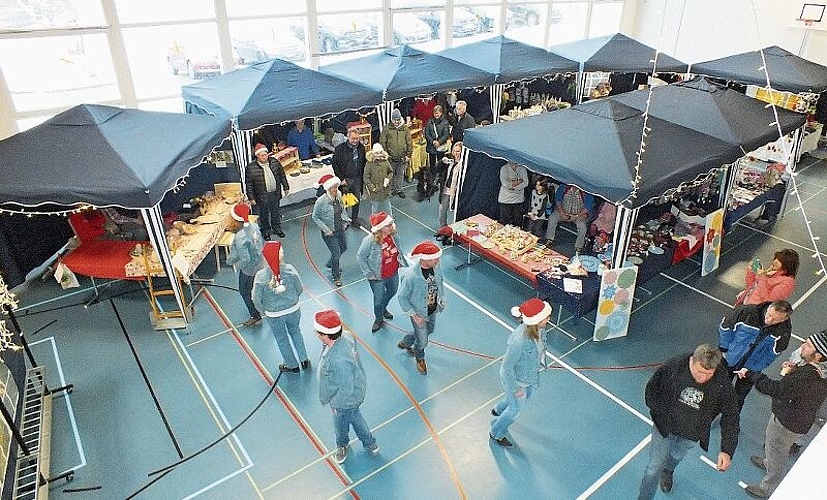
[327, 181]
[272, 254]
[532, 311]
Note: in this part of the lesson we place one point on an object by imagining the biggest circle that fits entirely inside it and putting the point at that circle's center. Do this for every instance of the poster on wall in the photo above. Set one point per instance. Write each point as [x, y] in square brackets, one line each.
[713, 233]
[614, 306]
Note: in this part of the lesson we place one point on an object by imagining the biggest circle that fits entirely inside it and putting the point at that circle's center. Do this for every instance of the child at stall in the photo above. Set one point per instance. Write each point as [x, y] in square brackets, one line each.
[537, 208]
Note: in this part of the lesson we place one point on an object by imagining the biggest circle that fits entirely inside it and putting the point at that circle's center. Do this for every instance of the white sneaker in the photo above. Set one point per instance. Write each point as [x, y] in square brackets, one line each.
[340, 455]
[374, 448]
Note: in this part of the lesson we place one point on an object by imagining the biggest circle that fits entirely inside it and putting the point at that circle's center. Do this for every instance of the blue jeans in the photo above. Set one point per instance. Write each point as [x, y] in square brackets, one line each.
[509, 409]
[337, 244]
[343, 419]
[245, 288]
[665, 453]
[381, 206]
[383, 291]
[419, 338]
[284, 326]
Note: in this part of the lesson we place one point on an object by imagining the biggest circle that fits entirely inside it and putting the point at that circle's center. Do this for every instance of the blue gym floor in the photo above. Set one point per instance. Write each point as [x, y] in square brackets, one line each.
[583, 434]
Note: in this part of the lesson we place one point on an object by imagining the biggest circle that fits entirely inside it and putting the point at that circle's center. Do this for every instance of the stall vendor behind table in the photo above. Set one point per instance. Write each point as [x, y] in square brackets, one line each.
[123, 224]
[573, 205]
[302, 139]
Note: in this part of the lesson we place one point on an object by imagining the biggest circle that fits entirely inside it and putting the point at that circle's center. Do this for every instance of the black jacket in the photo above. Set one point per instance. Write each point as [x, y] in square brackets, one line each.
[343, 165]
[467, 121]
[662, 394]
[795, 398]
[254, 178]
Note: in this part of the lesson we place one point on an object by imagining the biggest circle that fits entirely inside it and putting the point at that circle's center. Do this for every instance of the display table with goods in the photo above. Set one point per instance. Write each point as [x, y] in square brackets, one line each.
[302, 179]
[757, 184]
[812, 133]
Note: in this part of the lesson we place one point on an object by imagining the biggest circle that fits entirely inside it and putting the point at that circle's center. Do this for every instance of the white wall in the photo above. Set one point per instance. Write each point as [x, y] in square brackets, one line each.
[711, 29]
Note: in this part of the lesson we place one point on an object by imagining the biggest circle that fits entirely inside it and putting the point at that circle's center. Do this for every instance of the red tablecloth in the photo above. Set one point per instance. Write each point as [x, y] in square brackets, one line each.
[97, 257]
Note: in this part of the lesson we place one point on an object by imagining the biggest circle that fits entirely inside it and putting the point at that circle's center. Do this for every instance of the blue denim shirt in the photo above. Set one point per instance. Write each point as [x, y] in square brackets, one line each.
[246, 250]
[342, 380]
[521, 364]
[267, 300]
[323, 212]
[369, 257]
[413, 290]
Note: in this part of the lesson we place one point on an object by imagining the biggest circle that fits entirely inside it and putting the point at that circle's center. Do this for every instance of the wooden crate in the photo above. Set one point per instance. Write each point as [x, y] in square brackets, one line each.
[289, 159]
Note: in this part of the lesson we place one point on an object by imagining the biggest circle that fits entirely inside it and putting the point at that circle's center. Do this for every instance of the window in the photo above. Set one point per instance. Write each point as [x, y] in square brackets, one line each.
[44, 14]
[339, 6]
[526, 23]
[27, 123]
[572, 22]
[417, 28]
[474, 23]
[246, 8]
[262, 39]
[407, 4]
[348, 32]
[147, 11]
[69, 70]
[605, 19]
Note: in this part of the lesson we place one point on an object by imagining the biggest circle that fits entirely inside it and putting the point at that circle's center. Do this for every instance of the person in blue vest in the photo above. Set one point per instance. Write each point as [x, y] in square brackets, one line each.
[245, 253]
[302, 139]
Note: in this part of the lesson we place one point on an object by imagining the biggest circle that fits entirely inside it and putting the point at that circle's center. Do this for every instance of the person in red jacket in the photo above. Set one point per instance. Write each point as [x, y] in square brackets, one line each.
[775, 283]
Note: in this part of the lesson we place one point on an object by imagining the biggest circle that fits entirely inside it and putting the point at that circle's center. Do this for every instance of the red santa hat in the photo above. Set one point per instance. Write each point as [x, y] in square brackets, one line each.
[272, 254]
[327, 181]
[241, 213]
[379, 220]
[327, 322]
[532, 311]
[426, 250]
[259, 148]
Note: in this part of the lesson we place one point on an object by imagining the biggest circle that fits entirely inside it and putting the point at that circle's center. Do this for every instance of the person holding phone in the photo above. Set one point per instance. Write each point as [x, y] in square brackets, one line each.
[768, 285]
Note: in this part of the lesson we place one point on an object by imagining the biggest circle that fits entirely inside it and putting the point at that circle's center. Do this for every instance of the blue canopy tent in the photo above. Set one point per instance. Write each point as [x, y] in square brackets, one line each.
[616, 53]
[786, 70]
[510, 61]
[270, 92]
[108, 156]
[404, 71]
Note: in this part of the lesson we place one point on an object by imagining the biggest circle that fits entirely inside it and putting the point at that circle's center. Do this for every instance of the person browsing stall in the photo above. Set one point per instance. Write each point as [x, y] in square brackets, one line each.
[379, 259]
[452, 163]
[775, 283]
[464, 121]
[349, 166]
[245, 252]
[437, 133]
[378, 178]
[266, 181]
[396, 139]
[330, 217]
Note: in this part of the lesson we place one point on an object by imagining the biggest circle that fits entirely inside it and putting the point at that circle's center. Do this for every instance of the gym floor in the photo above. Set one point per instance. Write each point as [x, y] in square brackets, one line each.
[143, 399]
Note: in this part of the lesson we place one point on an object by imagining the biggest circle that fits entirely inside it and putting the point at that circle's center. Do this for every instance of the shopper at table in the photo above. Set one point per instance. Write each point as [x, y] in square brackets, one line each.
[684, 396]
[775, 283]
[753, 336]
[511, 198]
[451, 180]
[571, 204]
[520, 369]
[463, 122]
[302, 139]
[378, 178]
[342, 383]
[537, 208]
[795, 400]
[276, 293]
[397, 141]
[245, 252]
[266, 182]
[379, 259]
[349, 166]
[330, 216]
[437, 133]
[421, 296]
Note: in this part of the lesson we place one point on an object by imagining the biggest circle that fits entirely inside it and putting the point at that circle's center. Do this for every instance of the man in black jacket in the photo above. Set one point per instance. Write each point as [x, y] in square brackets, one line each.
[463, 123]
[795, 401]
[265, 180]
[349, 166]
[685, 395]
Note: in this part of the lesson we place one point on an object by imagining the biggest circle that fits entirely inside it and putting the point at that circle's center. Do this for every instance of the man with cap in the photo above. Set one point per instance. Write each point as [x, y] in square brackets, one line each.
[302, 139]
[245, 252]
[349, 166]
[397, 142]
[265, 180]
[379, 259]
[378, 177]
[276, 293]
[422, 296]
[796, 399]
[821, 414]
[330, 216]
[520, 370]
[342, 383]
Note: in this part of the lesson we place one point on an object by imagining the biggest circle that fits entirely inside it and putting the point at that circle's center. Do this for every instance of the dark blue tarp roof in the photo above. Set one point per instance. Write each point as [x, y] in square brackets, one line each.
[787, 71]
[510, 60]
[104, 155]
[594, 146]
[275, 91]
[717, 111]
[408, 72]
[617, 53]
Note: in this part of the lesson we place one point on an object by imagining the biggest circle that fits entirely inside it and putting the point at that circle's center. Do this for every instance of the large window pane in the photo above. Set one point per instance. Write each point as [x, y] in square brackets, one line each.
[43, 14]
[262, 39]
[474, 23]
[406, 4]
[326, 59]
[347, 32]
[242, 8]
[68, 70]
[424, 29]
[144, 11]
[163, 58]
[473, 2]
[526, 23]
[175, 105]
[572, 22]
[339, 5]
[605, 18]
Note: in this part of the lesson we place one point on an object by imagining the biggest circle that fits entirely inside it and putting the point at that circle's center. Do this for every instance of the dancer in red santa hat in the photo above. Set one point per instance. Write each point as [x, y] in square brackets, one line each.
[276, 293]
[266, 182]
[379, 259]
[330, 216]
[421, 296]
[245, 253]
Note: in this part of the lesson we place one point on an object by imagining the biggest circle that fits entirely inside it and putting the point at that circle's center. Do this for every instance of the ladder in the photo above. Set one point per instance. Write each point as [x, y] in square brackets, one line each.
[35, 427]
[163, 319]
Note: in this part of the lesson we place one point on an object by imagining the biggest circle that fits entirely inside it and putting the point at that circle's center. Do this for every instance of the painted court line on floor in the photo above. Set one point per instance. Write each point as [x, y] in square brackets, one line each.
[222, 480]
[615, 468]
[196, 342]
[811, 250]
[701, 292]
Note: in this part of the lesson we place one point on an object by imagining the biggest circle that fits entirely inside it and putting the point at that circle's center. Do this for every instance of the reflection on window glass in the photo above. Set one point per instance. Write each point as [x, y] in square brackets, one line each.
[68, 70]
[475, 23]
[143, 11]
[241, 8]
[163, 58]
[405, 4]
[42, 14]
[263, 39]
[345, 56]
[175, 105]
[425, 29]
[347, 32]
[338, 5]
[571, 25]
[605, 18]
[526, 23]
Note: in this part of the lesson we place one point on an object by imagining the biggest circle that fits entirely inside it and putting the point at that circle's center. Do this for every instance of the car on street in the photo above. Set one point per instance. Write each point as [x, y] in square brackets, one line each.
[465, 24]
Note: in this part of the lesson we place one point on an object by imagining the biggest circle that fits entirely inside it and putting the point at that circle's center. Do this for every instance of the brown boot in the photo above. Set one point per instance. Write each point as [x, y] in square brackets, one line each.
[421, 367]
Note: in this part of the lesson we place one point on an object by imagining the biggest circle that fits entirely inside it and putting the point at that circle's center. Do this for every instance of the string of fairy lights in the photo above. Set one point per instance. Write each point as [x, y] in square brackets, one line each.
[8, 302]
